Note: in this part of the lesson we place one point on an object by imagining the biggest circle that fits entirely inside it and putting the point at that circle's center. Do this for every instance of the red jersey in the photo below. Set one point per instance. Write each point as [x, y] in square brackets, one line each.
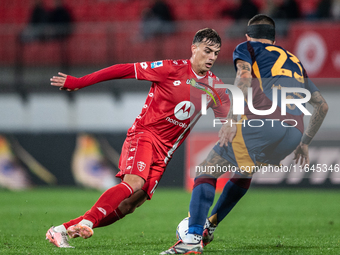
[173, 105]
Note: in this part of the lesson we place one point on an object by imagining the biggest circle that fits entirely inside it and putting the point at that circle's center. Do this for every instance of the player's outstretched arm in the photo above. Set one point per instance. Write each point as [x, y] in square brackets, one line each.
[243, 82]
[319, 113]
[59, 81]
[70, 83]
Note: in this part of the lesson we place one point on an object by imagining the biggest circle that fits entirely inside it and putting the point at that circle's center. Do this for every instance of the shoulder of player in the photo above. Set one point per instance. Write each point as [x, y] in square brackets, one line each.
[244, 46]
[170, 64]
[241, 46]
[178, 62]
[166, 62]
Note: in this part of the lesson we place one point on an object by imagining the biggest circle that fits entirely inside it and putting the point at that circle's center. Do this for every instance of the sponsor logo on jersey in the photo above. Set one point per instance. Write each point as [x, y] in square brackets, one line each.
[176, 122]
[184, 110]
[144, 65]
[141, 165]
[156, 64]
[177, 83]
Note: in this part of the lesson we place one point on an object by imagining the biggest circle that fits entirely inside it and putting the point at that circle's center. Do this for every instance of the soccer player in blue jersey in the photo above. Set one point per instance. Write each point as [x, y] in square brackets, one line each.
[265, 68]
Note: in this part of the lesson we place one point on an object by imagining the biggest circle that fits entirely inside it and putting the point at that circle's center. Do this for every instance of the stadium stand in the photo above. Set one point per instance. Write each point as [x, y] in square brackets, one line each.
[16, 11]
[108, 32]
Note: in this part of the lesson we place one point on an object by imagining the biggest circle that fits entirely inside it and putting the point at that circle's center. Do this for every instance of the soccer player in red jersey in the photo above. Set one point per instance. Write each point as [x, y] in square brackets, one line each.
[171, 109]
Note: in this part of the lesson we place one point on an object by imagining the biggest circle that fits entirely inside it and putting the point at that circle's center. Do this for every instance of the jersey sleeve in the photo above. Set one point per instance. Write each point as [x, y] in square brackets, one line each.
[153, 71]
[241, 52]
[120, 71]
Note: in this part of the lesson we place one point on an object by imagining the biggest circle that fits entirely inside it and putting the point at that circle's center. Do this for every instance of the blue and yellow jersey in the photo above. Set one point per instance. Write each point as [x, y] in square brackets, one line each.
[273, 67]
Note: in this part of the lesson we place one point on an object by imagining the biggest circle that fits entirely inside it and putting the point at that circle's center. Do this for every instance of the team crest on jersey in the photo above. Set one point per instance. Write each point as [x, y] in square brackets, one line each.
[141, 166]
[156, 64]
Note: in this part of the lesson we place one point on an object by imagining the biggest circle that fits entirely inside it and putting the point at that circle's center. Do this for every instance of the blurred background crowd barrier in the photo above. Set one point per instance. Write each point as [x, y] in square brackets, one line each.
[40, 38]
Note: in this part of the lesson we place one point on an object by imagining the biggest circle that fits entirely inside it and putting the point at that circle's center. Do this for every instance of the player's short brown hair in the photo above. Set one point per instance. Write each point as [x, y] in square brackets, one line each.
[261, 19]
[209, 34]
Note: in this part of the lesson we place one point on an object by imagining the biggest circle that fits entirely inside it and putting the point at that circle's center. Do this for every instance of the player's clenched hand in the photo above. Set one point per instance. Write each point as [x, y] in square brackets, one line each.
[301, 154]
[59, 81]
[227, 133]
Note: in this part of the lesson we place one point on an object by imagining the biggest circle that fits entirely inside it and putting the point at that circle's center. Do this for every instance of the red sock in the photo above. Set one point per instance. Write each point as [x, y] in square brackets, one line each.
[73, 222]
[108, 220]
[108, 202]
[111, 218]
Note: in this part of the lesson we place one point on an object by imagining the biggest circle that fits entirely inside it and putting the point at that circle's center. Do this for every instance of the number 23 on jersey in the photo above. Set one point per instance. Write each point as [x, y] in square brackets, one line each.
[278, 69]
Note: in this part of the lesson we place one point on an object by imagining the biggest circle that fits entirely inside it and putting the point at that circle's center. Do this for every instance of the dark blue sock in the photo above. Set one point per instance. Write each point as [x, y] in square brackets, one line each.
[232, 192]
[202, 198]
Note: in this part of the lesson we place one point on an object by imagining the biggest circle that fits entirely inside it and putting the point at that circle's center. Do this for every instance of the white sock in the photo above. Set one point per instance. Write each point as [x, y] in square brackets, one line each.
[87, 223]
[60, 228]
[192, 238]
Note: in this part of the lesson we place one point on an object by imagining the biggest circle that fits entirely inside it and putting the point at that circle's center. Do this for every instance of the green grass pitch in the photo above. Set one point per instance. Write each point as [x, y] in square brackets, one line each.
[266, 221]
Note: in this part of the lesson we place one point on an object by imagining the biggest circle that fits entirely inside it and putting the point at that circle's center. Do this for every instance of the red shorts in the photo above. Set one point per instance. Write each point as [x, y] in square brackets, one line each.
[143, 157]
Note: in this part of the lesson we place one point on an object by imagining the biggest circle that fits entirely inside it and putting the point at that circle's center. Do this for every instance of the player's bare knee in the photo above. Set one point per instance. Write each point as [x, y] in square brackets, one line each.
[136, 182]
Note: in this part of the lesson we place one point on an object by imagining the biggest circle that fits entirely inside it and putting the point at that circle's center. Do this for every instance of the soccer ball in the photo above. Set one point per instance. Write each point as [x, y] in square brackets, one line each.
[182, 228]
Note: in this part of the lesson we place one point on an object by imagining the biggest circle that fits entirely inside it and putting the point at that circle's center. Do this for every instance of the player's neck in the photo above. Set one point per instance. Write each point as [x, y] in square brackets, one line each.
[196, 70]
[266, 41]
[198, 75]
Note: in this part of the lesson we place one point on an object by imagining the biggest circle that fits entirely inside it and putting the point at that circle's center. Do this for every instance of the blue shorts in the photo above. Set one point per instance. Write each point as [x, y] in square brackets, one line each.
[268, 144]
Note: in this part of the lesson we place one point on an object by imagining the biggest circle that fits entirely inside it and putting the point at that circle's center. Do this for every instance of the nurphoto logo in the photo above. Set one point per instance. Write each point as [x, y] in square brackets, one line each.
[238, 103]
